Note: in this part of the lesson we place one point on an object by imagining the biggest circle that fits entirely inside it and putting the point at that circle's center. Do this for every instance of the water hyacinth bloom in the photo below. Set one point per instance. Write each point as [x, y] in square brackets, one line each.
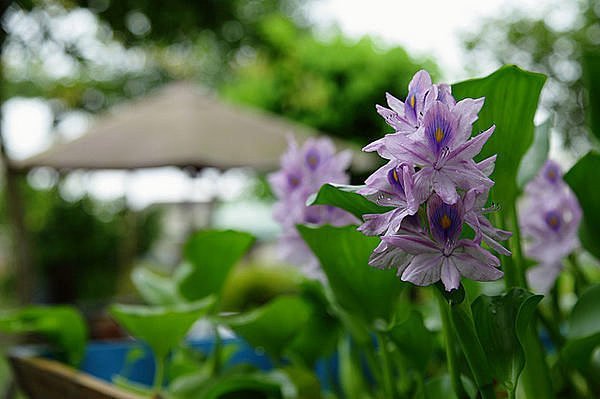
[303, 171]
[431, 168]
[549, 217]
[442, 255]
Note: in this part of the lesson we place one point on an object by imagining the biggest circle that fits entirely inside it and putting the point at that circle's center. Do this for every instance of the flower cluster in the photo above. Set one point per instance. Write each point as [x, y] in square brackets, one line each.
[303, 171]
[433, 188]
[550, 217]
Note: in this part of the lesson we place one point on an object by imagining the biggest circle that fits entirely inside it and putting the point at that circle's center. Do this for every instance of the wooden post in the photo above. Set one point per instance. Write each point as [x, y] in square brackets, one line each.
[24, 273]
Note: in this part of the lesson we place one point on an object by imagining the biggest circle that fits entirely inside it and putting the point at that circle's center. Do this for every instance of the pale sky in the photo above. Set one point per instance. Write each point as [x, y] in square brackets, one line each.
[426, 27]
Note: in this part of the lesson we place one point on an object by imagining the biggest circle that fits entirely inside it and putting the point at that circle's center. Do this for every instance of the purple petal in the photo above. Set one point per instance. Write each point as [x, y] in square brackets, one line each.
[376, 224]
[423, 184]
[445, 220]
[391, 118]
[445, 188]
[474, 269]
[450, 275]
[472, 147]
[386, 257]
[541, 278]
[412, 244]
[440, 127]
[395, 104]
[487, 165]
[467, 111]
[420, 82]
[424, 269]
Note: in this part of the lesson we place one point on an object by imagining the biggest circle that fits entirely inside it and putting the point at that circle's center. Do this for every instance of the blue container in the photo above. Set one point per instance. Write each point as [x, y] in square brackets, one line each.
[107, 359]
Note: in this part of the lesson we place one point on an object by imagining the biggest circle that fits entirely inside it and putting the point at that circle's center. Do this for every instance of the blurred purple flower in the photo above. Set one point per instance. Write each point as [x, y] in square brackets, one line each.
[442, 255]
[549, 218]
[303, 171]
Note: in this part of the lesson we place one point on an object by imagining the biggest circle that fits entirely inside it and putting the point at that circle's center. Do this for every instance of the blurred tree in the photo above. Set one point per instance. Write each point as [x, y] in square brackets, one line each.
[82, 246]
[554, 45]
[331, 85]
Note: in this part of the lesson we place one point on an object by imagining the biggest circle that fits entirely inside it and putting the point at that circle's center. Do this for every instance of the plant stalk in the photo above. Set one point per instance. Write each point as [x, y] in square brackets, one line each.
[462, 320]
[159, 376]
[451, 357]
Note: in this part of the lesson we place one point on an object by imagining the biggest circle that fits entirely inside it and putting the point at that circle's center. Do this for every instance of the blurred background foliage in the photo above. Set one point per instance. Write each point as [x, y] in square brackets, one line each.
[261, 53]
[551, 46]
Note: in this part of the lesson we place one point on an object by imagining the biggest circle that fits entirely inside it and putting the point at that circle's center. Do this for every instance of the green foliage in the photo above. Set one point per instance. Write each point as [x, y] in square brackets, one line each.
[511, 100]
[211, 255]
[536, 155]
[414, 340]
[162, 328]
[502, 322]
[273, 326]
[363, 291]
[108, 238]
[591, 69]
[583, 334]
[63, 326]
[536, 43]
[323, 84]
[154, 288]
[347, 198]
[582, 179]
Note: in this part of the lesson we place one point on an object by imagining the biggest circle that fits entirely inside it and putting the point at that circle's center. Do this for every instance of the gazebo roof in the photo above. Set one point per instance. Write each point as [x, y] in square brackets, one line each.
[181, 125]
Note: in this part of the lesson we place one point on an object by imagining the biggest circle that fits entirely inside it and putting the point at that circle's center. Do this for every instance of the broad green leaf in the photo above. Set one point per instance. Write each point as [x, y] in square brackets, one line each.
[441, 387]
[511, 100]
[154, 288]
[414, 340]
[591, 75]
[63, 326]
[501, 323]
[275, 384]
[273, 326]
[345, 197]
[536, 155]
[583, 334]
[211, 255]
[364, 291]
[161, 327]
[319, 335]
[583, 180]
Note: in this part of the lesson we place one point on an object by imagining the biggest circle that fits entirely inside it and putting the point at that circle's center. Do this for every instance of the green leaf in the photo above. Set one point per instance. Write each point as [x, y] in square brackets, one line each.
[583, 180]
[319, 335]
[501, 323]
[591, 77]
[154, 288]
[536, 155]
[161, 327]
[346, 197]
[63, 326]
[273, 384]
[414, 340]
[272, 326]
[211, 255]
[441, 387]
[362, 290]
[583, 333]
[511, 100]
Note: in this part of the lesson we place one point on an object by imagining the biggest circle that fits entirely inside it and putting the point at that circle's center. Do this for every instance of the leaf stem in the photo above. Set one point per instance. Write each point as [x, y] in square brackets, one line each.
[451, 357]
[581, 281]
[462, 320]
[159, 375]
[385, 365]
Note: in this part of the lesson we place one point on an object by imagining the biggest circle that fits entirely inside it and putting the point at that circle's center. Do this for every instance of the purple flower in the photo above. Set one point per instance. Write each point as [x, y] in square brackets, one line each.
[549, 216]
[475, 211]
[303, 171]
[442, 255]
[441, 148]
[391, 185]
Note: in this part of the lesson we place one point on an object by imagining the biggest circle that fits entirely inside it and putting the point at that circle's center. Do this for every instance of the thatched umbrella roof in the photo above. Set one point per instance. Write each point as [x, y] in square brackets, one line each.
[181, 125]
